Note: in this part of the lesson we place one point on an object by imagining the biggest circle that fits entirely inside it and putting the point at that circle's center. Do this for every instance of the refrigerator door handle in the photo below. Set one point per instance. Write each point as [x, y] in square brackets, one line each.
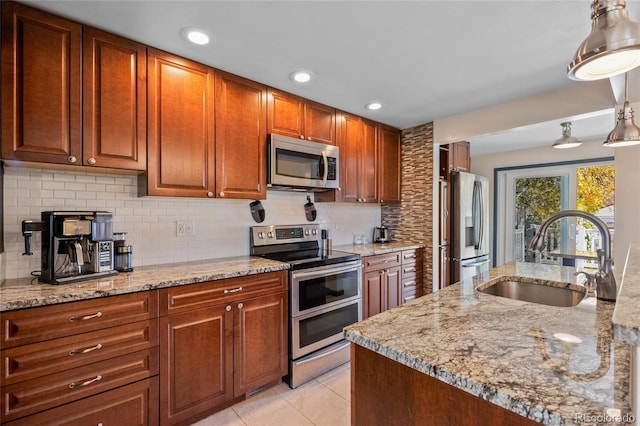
[477, 190]
[474, 264]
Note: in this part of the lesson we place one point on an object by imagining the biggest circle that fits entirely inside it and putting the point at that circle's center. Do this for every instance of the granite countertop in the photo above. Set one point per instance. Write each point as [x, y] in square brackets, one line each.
[508, 352]
[28, 292]
[373, 249]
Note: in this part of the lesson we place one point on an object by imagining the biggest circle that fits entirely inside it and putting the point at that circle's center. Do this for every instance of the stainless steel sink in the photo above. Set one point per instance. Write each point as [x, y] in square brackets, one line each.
[536, 293]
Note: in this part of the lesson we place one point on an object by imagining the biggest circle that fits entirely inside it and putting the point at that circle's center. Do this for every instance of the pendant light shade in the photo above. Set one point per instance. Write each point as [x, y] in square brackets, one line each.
[626, 132]
[612, 47]
[566, 141]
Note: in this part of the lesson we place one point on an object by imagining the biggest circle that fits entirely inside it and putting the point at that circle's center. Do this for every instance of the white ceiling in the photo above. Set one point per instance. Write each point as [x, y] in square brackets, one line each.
[423, 60]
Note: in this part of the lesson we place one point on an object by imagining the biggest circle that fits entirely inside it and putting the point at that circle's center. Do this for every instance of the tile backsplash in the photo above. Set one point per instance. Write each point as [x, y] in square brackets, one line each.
[221, 227]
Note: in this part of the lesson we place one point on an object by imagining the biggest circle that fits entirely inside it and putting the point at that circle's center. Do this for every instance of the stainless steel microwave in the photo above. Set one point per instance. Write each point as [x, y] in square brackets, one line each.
[300, 164]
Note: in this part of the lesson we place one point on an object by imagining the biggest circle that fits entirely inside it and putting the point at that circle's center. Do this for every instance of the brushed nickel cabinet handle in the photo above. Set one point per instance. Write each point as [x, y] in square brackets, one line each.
[85, 351]
[87, 383]
[210, 194]
[72, 159]
[86, 317]
[409, 283]
[228, 308]
[221, 193]
[410, 270]
[240, 305]
[91, 161]
[234, 290]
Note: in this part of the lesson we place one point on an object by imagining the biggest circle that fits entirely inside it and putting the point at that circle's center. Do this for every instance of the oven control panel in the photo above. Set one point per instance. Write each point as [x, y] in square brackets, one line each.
[281, 234]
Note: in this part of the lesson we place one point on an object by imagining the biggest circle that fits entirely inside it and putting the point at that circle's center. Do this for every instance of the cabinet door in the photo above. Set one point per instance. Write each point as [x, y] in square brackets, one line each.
[132, 405]
[349, 135]
[260, 342]
[41, 86]
[319, 123]
[393, 288]
[241, 138]
[374, 293]
[196, 362]
[180, 127]
[369, 163]
[286, 114]
[114, 101]
[390, 161]
[459, 156]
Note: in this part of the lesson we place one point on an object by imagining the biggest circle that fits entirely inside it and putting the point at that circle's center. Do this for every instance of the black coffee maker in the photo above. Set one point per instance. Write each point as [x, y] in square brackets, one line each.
[76, 246]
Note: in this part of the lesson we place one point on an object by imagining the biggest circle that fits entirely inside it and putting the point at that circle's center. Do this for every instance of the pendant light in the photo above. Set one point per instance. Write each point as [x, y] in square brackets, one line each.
[612, 47]
[626, 132]
[566, 141]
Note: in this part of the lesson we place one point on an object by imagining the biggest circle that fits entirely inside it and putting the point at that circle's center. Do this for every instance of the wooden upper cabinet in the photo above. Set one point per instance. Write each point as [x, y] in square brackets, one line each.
[180, 127]
[114, 101]
[319, 123]
[241, 138]
[299, 118]
[460, 156]
[41, 86]
[390, 159]
[368, 162]
[348, 137]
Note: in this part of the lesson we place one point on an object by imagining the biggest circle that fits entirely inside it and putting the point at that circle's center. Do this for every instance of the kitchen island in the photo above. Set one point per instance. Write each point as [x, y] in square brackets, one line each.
[458, 356]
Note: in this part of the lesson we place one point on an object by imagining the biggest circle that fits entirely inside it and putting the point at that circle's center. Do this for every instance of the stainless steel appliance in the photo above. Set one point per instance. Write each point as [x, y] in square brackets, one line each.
[469, 225]
[380, 234]
[325, 295]
[300, 164]
[76, 246]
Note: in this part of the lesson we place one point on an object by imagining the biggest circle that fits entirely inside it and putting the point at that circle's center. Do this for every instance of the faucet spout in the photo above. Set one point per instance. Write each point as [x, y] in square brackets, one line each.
[606, 288]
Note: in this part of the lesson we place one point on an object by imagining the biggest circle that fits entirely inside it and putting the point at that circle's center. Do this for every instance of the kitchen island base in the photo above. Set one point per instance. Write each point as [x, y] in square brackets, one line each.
[385, 392]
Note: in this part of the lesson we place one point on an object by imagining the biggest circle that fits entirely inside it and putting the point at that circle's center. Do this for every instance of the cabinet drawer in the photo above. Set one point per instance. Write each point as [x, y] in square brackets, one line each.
[49, 322]
[39, 359]
[194, 296]
[388, 260]
[409, 284]
[132, 405]
[408, 296]
[31, 396]
[412, 257]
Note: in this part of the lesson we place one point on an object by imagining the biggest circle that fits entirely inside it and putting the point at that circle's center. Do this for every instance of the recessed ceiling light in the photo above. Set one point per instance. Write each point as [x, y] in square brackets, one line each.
[197, 36]
[300, 76]
[372, 106]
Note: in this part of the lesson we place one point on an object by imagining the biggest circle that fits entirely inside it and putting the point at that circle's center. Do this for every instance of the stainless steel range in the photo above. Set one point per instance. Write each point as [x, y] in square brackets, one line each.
[325, 296]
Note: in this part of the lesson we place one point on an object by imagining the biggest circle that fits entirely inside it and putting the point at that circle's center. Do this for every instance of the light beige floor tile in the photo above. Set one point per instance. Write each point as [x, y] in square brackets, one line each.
[338, 380]
[320, 404]
[269, 409]
[226, 417]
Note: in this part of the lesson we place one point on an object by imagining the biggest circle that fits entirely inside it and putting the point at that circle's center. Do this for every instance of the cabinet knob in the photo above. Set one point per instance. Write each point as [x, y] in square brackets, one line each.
[210, 194]
[72, 159]
[91, 161]
[309, 138]
[364, 200]
[301, 136]
[228, 308]
[240, 305]
[221, 193]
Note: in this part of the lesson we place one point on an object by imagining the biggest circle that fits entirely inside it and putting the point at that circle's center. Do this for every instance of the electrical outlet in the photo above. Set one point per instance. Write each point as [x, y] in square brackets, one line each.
[184, 228]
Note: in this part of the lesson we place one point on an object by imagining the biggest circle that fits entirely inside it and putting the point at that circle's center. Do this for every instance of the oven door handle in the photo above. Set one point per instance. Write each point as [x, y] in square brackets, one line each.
[324, 354]
[325, 272]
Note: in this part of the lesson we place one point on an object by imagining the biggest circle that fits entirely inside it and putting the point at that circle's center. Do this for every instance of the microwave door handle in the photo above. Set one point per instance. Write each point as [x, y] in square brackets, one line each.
[326, 168]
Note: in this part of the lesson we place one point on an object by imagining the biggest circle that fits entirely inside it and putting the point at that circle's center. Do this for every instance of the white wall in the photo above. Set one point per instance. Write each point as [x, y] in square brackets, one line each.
[627, 165]
[484, 165]
[221, 226]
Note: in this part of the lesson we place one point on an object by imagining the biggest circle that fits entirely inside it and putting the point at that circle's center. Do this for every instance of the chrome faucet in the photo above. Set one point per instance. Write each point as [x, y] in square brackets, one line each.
[605, 281]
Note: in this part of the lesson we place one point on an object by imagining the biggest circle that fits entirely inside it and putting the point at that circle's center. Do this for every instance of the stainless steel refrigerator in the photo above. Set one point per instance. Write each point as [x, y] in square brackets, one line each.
[469, 225]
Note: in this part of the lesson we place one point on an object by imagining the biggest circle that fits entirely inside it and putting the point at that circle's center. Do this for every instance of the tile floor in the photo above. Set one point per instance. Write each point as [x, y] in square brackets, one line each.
[322, 401]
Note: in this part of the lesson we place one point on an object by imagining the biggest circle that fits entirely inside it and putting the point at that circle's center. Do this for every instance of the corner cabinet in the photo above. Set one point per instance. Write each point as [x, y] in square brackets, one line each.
[390, 153]
[240, 137]
[297, 117]
[180, 128]
[71, 94]
[220, 341]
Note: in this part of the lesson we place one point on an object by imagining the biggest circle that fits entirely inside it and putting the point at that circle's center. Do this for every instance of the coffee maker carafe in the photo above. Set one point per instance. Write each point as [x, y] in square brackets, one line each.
[76, 246]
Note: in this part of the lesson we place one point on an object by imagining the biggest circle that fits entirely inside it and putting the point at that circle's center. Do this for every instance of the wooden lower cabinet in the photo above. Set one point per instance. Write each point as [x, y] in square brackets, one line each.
[214, 354]
[132, 405]
[382, 290]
